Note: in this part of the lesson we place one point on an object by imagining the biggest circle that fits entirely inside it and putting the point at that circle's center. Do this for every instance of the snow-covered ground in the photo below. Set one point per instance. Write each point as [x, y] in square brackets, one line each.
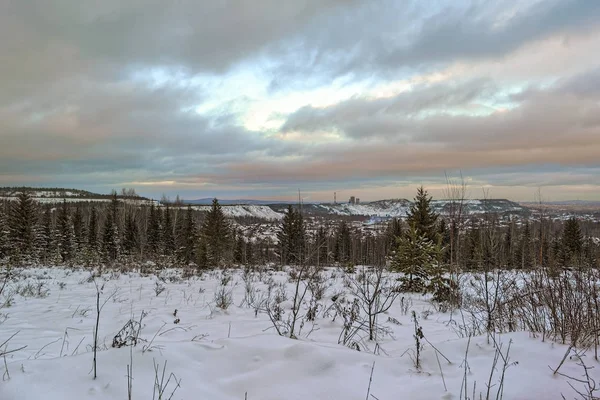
[235, 354]
[257, 211]
[383, 208]
[400, 207]
[58, 200]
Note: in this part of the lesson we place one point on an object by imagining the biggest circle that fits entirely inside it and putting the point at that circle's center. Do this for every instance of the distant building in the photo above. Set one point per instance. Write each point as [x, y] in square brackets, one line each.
[352, 200]
[357, 200]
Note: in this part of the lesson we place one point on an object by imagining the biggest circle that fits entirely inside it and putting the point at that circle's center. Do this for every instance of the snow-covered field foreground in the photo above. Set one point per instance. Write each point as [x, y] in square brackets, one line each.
[236, 353]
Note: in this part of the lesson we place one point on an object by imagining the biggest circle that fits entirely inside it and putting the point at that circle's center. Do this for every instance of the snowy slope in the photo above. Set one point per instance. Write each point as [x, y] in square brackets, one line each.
[399, 208]
[382, 208]
[228, 355]
[257, 211]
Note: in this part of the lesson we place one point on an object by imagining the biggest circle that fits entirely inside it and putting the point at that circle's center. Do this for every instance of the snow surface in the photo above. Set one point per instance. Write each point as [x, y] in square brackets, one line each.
[257, 211]
[400, 207]
[384, 208]
[222, 355]
[57, 200]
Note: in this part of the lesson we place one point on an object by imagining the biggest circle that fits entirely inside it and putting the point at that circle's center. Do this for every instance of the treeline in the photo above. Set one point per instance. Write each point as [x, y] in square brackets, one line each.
[122, 232]
[119, 232]
[125, 193]
[454, 240]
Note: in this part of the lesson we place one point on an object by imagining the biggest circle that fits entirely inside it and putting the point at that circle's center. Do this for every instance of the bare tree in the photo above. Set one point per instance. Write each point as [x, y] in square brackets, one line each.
[376, 291]
[542, 216]
[456, 193]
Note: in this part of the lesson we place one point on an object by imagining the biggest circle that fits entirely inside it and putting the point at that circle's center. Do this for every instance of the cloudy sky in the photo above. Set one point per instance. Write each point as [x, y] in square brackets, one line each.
[257, 99]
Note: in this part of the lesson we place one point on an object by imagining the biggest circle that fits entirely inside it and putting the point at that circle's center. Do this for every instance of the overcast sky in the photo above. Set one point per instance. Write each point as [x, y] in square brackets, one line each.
[257, 99]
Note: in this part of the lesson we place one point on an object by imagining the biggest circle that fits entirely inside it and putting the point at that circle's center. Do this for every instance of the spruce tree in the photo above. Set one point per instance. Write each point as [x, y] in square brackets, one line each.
[285, 236]
[321, 245]
[545, 252]
[291, 237]
[392, 233]
[239, 250]
[526, 252]
[188, 237]
[299, 239]
[78, 228]
[444, 238]
[215, 235]
[111, 243]
[474, 247]
[249, 252]
[64, 233]
[572, 242]
[343, 243]
[422, 216]
[131, 237]
[168, 233]
[4, 247]
[92, 238]
[507, 248]
[201, 253]
[46, 236]
[415, 258]
[22, 223]
[153, 231]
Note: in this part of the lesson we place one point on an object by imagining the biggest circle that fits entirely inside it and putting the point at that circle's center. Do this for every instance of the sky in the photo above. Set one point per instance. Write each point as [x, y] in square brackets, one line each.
[258, 99]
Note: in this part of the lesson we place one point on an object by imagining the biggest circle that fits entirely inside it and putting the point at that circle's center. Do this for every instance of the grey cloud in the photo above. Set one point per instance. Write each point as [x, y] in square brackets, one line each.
[414, 132]
[387, 117]
[106, 127]
[302, 42]
[586, 84]
[467, 33]
[390, 39]
[197, 35]
[70, 110]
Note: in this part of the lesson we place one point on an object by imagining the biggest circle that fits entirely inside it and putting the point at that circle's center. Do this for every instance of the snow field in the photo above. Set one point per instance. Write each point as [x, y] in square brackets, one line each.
[230, 354]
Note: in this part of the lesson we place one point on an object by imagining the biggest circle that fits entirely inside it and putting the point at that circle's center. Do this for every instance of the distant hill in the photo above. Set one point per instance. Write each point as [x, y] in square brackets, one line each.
[273, 210]
[208, 201]
[52, 194]
[399, 207]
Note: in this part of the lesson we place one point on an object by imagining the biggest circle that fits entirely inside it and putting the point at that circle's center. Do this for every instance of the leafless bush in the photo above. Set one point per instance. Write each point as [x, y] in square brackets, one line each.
[162, 386]
[38, 290]
[99, 308]
[564, 308]
[158, 288]
[250, 293]
[352, 325]
[405, 305]
[572, 302]
[494, 387]
[312, 310]
[281, 294]
[317, 286]
[418, 336]
[376, 291]
[293, 325]
[588, 388]
[4, 351]
[225, 279]
[489, 300]
[6, 296]
[129, 334]
[223, 297]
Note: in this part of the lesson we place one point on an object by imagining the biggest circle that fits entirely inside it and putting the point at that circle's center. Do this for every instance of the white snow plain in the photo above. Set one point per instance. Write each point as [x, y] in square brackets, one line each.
[234, 354]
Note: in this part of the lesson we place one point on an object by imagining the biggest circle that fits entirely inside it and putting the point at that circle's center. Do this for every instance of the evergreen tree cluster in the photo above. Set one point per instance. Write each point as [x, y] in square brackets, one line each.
[120, 232]
[291, 238]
